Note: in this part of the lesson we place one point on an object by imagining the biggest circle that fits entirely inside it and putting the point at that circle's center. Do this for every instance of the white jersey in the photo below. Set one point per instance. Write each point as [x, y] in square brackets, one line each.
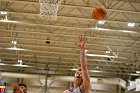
[76, 90]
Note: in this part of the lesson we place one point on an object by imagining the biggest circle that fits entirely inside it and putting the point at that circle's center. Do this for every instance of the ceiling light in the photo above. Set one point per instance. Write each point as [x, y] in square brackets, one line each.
[3, 13]
[101, 22]
[97, 67]
[138, 72]
[131, 24]
[95, 71]
[2, 64]
[97, 55]
[74, 69]
[134, 74]
[20, 65]
[14, 42]
[105, 29]
[107, 52]
[20, 61]
[15, 48]
[8, 21]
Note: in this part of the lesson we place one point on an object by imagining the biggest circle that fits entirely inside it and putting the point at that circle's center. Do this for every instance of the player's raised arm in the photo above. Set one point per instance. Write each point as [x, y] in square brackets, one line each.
[81, 82]
[86, 86]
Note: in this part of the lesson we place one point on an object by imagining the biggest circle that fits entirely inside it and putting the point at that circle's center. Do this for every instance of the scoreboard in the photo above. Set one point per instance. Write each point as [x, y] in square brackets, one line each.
[2, 87]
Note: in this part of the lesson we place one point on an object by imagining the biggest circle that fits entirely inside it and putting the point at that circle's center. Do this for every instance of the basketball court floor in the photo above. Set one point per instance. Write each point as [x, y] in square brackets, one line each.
[37, 44]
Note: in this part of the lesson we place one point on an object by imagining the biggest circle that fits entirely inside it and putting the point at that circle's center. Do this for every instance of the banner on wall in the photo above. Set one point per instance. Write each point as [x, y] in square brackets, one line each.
[2, 87]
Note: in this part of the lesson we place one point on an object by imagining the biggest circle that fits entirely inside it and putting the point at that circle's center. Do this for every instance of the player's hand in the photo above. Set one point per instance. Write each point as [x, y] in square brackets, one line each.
[81, 44]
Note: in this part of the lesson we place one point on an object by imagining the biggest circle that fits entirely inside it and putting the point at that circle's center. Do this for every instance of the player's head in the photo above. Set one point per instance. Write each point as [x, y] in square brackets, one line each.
[23, 87]
[78, 77]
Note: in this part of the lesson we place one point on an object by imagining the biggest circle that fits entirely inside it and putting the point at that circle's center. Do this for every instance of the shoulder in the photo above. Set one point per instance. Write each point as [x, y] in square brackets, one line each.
[66, 91]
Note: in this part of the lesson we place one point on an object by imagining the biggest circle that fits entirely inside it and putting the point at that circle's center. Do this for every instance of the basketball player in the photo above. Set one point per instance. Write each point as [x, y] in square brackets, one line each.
[19, 88]
[81, 78]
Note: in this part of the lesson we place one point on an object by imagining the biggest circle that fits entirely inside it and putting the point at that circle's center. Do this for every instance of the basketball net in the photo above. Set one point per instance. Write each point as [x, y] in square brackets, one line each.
[49, 9]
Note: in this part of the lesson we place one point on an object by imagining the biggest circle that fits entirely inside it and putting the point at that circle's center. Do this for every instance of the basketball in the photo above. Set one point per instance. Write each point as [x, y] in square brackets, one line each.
[99, 13]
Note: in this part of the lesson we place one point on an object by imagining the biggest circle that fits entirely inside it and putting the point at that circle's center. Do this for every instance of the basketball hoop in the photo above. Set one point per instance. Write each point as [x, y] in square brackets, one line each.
[49, 8]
